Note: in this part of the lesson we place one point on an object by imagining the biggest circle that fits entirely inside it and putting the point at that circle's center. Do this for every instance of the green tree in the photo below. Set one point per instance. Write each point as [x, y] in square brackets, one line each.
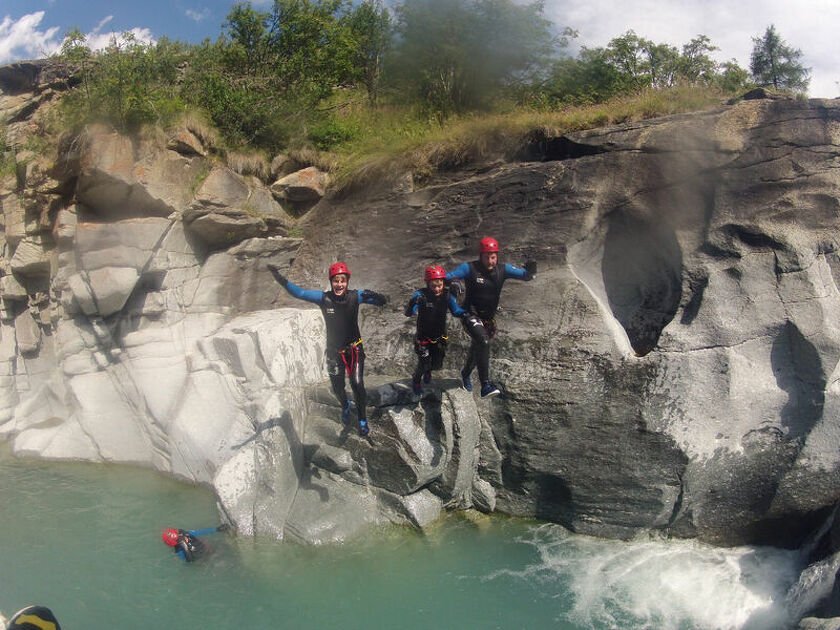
[628, 54]
[250, 45]
[372, 32]
[732, 77]
[127, 84]
[583, 80]
[453, 56]
[312, 46]
[695, 64]
[775, 63]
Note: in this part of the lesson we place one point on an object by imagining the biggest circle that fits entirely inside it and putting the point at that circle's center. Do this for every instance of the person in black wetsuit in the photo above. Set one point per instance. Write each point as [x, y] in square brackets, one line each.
[340, 308]
[484, 279]
[186, 543]
[430, 306]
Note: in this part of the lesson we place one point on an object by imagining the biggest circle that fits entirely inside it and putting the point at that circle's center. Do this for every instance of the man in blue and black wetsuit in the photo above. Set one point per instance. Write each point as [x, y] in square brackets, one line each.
[186, 544]
[484, 279]
[430, 305]
[340, 308]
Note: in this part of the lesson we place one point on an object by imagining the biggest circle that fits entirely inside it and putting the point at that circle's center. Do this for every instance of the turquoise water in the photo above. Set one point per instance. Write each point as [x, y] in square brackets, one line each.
[85, 540]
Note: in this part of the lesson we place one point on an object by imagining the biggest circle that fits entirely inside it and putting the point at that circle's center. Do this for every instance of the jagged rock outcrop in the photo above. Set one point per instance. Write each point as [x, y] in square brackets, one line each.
[672, 367]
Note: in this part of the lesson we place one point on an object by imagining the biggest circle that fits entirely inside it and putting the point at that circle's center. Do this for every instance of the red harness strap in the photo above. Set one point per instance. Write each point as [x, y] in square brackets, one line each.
[426, 342]
[353, 348]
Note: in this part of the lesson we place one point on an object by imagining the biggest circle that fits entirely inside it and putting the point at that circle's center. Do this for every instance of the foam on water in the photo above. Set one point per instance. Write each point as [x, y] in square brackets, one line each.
[665, 585]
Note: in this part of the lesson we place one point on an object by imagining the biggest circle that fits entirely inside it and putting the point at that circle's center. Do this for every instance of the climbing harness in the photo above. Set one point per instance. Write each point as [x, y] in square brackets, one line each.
[353, 350]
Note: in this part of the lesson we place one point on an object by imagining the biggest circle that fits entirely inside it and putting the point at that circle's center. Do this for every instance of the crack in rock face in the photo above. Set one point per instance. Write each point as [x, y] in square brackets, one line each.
[642, 271]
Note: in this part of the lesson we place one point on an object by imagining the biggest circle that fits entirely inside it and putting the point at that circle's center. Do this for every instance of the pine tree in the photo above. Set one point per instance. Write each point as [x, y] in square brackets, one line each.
[775, 63]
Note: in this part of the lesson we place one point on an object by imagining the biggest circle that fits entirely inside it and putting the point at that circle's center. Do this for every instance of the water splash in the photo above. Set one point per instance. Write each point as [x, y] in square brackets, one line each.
[655, 584]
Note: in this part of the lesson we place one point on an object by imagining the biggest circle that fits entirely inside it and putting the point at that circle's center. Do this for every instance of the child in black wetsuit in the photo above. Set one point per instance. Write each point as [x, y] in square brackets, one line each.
[340, 308]
[430, 306]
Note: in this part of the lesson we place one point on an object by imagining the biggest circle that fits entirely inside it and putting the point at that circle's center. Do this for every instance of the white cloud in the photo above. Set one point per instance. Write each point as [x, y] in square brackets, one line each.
[809, 25]
[21, 39]
[198, 16]
[97, 40]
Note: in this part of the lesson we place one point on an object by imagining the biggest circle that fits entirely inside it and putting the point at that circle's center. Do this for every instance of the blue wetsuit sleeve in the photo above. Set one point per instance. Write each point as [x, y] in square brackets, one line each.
[515, 272]
[461, 272]
[308, 295]
[180, 553]
[412, 306]
[456, 310]
[202, 532]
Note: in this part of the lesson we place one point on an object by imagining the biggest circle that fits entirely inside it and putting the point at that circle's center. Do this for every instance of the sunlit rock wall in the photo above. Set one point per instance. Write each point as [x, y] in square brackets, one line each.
[672, 367]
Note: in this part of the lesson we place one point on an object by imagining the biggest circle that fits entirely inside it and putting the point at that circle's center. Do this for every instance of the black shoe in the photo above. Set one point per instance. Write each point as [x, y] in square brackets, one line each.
[345, 413]
[488, 389]
[427, 377]
[466, 382]
[416, 388]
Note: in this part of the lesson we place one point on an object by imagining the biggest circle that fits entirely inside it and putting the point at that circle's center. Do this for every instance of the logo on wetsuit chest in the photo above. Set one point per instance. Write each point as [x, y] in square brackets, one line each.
[480, 280]
[330, 310]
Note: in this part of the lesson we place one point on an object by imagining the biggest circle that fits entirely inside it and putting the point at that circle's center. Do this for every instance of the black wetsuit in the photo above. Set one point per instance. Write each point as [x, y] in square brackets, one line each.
[189, 547]
[431, 338]
[483, 290]
[344, 352]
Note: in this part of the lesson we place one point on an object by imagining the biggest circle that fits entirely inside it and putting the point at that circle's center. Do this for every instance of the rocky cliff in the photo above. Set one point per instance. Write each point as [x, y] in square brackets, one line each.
[672, 367]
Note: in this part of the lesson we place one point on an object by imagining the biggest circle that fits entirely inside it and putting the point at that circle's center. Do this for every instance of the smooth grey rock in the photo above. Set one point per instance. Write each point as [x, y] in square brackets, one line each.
[12, 290]
[30, 258]
[27, 334]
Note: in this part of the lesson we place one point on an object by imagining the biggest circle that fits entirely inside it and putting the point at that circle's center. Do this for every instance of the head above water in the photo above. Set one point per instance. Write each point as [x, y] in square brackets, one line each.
[170, 537]
[488, 252]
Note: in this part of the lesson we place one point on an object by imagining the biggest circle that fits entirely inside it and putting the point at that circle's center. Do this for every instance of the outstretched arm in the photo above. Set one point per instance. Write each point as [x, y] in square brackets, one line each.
[372, 297]
[205, 531]
[462, 271]
[294, 290]
[518, 273]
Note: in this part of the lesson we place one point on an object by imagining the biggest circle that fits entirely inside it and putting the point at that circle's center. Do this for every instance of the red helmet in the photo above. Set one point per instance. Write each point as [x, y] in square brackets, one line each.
[338, 268]
[434, 272]
[170, 537]
[488, 244]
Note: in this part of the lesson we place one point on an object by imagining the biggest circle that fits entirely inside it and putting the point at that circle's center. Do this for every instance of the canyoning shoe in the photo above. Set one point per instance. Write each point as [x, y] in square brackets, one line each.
[488, 389]
[345, 413]
[427, 377]
[364, 429]
[415, 387]
[466, 382]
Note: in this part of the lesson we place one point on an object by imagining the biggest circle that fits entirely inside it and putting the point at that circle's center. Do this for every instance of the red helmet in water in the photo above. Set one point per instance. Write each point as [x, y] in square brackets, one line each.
[487, 245]
[435, 272]
[170, 537]
[338, 268]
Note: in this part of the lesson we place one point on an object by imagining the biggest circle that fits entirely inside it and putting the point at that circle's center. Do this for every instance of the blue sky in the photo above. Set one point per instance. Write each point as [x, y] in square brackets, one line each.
[34, 28]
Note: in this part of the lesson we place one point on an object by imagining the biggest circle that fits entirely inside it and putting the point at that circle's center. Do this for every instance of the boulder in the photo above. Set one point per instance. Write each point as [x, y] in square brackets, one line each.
[306, 185]
[185, 142]
[31, 258]
[121, 178]
[226, 210]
